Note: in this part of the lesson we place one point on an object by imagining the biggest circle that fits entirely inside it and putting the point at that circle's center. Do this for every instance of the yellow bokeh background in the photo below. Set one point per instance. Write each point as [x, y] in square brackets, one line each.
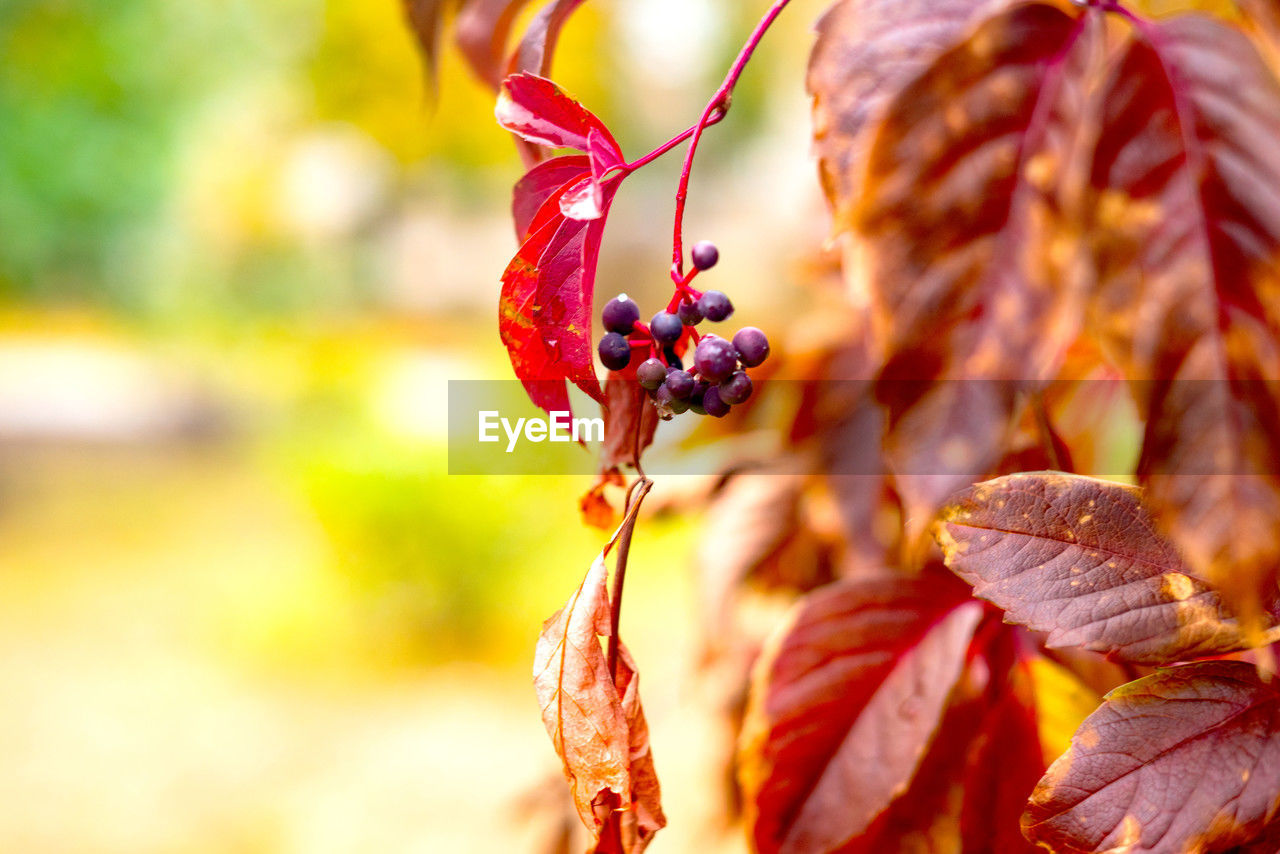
[244, 246]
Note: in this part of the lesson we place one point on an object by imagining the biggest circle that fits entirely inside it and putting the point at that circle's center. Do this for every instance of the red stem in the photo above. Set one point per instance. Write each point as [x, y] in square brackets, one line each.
[717, 106]
[664, 148]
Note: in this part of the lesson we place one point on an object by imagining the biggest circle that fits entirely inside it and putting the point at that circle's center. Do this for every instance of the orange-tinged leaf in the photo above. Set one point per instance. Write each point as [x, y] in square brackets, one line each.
[1186, 183]
[1081, 559]
[1187, 759]
[596, 724]
[967, 215]
[866, 52]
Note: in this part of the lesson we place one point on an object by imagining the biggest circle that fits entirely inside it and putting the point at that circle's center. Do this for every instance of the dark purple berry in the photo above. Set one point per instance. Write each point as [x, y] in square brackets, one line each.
[620, 314]
[681, 383]
[665, 328]
[752, 346]
[668, 404]
[714, 404]
[615, 351]
[651, 373]
[688, 313]
[715, 306]
[737, 388]
[715, 358]
[705, 254]
[695, 397]
[674, 362]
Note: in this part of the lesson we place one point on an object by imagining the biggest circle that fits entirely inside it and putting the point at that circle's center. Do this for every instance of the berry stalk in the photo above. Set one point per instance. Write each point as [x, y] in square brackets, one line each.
[635, 497]
[719, 107]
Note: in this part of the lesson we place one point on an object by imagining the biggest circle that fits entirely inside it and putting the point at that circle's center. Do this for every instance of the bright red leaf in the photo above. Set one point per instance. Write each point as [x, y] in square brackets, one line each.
[545, 310]
[541, 183]
[541, 112]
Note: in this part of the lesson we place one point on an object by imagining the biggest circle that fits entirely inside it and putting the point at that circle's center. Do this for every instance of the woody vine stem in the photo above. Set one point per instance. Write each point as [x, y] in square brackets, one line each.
[716, 110]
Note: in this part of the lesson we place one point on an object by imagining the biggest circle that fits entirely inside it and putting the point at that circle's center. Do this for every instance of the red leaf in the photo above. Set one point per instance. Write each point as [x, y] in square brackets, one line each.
[538, 110]
[585, 198]
[541, 183]
[544, 312]
[844, 705]
[1080, 559]
[481, 31]
[974, 782]
[1186, 185]
[539, 43]
[596, 724]
[1185, 760]
[1005, 757]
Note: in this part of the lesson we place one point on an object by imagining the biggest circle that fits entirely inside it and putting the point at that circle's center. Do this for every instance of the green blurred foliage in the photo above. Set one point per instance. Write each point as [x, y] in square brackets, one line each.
[90, 99]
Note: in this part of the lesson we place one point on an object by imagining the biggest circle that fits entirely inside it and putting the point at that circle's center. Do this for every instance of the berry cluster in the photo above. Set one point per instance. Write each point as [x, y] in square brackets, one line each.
[718, 379]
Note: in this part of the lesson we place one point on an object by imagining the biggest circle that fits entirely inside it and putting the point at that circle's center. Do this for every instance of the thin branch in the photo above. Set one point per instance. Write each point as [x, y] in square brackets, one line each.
[635, 496]
[718, 106]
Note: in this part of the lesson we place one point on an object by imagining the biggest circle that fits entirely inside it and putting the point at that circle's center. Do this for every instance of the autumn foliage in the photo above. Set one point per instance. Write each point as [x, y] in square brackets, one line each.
[1051, 215]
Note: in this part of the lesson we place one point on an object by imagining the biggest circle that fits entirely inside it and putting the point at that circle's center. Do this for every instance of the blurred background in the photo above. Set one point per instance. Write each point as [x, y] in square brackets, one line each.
[243, 248]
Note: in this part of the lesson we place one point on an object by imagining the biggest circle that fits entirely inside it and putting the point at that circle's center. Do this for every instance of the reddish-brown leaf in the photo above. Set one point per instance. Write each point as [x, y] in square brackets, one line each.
[630, 421]
[481, 31]
[839, 413]
[535, 50]
[426, 17]
[1081, 559]
[1186, 178]
[966, 213]
[596, 724]
[1184, 760]
[845, 703]
[866, 52]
